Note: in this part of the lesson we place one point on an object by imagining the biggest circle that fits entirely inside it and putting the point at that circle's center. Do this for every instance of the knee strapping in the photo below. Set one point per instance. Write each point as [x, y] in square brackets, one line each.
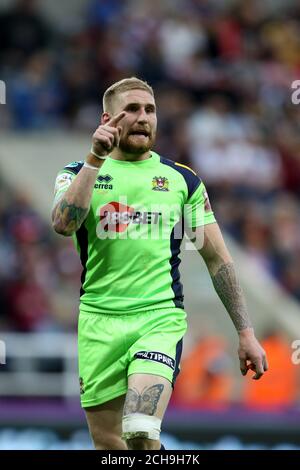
[138, 425]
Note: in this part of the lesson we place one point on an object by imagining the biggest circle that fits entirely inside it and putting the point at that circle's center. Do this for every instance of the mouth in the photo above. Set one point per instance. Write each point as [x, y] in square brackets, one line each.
[141, 132]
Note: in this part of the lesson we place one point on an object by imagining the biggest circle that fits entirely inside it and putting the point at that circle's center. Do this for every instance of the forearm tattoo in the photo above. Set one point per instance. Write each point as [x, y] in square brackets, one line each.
[69, 216]
[230, 292]
[144, 402]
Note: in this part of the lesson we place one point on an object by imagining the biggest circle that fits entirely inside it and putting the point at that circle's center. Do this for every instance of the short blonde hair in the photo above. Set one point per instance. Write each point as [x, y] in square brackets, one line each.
[126, 84]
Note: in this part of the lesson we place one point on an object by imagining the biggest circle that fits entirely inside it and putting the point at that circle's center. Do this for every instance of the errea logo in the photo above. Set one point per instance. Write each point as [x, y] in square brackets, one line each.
[103, 182]
[104, 179]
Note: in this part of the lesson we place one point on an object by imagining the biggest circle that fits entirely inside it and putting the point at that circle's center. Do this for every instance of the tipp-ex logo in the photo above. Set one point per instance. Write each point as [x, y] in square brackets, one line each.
[156, 357]
[103, 182]
[116, 217]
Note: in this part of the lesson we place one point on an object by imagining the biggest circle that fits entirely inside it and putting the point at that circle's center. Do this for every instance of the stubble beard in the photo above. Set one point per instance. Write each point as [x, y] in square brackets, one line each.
[136, 149]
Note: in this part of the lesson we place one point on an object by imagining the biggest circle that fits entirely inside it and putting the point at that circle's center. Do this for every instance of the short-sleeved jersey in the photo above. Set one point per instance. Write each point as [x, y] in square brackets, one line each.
[129, 243]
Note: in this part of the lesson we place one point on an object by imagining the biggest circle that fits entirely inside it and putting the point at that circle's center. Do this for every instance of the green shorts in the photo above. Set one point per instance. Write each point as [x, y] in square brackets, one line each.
[112, 347]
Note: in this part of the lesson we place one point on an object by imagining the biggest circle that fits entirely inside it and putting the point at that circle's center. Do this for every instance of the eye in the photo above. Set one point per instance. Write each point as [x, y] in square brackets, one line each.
[150, 109]
[132, 108]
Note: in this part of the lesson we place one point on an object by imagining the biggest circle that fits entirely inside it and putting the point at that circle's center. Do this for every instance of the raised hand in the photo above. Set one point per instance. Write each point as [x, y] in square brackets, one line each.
[107, 136]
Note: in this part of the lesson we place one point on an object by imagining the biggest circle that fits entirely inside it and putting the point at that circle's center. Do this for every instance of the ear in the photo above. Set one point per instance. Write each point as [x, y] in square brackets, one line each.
[105, 118]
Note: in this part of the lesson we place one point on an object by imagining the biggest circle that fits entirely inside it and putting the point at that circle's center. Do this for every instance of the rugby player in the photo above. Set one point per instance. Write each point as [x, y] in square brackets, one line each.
[125, 207]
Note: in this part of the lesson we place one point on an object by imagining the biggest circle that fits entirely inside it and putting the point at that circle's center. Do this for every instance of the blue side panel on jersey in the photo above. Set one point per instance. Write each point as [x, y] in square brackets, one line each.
[192, 181]
[74, 167]
[82, 238]
[175, 262]
[177, 361]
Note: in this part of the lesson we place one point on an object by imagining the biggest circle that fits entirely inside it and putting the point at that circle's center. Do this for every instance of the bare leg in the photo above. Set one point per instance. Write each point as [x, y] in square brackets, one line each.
[105, 424]
[147, 394]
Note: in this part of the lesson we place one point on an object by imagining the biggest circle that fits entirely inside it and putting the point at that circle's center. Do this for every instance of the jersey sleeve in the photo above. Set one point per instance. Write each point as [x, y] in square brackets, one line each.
[198, 211]
[64, 179]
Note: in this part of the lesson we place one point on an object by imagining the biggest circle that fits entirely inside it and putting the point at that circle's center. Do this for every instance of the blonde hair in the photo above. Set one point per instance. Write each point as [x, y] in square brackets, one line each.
[126, 84]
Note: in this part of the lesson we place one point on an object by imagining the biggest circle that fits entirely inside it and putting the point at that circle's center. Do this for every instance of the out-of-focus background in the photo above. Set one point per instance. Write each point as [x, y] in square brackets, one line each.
[222, 71]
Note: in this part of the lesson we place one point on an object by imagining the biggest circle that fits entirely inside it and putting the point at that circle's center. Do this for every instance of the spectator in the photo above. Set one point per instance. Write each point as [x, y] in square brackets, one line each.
[22, 32]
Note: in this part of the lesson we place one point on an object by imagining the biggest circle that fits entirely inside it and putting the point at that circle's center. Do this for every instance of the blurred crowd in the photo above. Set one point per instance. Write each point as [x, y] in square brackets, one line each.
[36, 270]
[222, 72]
[208, 377]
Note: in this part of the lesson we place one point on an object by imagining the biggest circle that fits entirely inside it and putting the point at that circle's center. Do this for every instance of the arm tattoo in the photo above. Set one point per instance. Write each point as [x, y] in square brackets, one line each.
[144, 402]
[230, 292]
[69, 216]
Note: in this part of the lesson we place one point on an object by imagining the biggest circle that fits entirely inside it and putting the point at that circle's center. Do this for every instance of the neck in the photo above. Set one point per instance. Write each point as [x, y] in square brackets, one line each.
[118, 154]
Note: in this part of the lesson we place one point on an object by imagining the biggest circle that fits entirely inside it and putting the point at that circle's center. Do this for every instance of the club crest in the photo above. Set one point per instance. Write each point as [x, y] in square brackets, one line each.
[160, 183]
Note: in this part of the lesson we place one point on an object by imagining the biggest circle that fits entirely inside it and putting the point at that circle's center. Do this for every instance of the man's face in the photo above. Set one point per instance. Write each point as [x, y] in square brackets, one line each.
[139, 124]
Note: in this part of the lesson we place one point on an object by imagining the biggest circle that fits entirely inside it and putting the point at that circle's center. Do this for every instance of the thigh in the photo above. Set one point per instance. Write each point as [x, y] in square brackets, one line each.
[105, 424]
[157, 350]
[102, 359]
[148, 394]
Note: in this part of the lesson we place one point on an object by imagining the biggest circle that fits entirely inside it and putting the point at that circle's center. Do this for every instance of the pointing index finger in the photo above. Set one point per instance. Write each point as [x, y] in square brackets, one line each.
[115, 119]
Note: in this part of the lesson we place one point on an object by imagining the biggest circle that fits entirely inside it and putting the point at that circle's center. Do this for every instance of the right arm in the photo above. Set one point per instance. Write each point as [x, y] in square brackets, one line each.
[73, 206]
[71, 209]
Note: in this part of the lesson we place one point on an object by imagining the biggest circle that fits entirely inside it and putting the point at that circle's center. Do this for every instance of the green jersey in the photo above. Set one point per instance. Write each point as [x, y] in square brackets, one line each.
[129, 243]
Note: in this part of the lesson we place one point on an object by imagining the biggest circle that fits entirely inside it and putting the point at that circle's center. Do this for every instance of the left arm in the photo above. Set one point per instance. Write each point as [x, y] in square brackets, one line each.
[221, 269]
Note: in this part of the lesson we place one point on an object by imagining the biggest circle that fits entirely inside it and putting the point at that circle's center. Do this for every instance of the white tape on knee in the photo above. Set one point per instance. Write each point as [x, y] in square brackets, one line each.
[140, 425]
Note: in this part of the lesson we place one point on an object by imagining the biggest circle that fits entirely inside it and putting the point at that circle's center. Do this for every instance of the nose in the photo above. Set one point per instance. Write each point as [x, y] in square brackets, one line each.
[142, 117]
